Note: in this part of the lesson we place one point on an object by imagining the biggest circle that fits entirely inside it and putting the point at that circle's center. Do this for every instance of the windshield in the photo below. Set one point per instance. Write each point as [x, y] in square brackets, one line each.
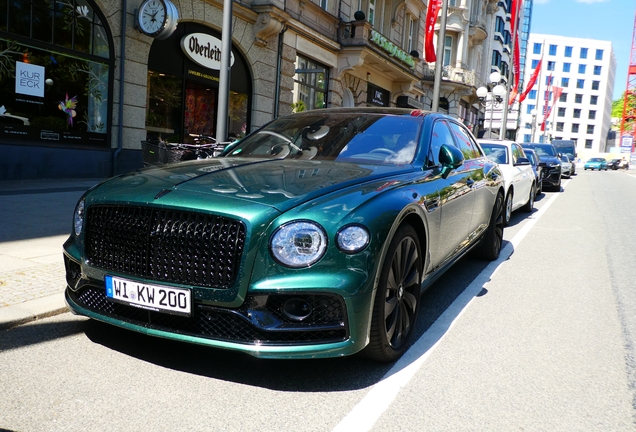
[532, 156]
[542, 149]
[349, 137]
[597, 160]
[495, 152]
[564, 158]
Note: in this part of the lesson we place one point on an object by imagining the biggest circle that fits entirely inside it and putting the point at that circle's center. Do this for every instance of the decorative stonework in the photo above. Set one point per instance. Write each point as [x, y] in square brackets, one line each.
[265, 27]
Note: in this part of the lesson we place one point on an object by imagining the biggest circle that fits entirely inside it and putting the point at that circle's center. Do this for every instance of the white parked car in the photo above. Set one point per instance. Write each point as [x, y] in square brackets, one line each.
[517, 172]
[566, 166]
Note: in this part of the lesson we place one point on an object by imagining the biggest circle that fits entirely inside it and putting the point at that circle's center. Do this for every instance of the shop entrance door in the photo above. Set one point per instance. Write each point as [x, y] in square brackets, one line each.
[199, 111]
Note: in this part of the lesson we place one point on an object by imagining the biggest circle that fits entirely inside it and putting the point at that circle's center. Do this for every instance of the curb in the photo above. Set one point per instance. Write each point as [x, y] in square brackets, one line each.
[17, 314]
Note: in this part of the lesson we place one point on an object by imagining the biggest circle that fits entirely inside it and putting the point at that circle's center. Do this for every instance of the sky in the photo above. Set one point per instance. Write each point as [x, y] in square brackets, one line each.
[607, 20]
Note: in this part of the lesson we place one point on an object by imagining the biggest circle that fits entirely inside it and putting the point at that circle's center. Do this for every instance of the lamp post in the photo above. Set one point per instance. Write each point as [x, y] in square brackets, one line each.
[533, 112]
[496, 95]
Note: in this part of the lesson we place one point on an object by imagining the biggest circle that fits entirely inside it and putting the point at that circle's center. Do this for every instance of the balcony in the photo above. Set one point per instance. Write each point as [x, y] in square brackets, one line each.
[361, 44]
[452, 74]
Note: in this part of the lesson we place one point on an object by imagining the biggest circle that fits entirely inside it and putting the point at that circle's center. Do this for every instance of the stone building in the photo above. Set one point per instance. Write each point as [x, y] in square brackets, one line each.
[82, 86]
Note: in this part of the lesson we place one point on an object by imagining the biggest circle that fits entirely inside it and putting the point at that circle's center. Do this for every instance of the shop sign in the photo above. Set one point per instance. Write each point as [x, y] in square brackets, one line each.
[626, 143]
[29, 79]
[377, 96]
[392, 49]
[204, 50]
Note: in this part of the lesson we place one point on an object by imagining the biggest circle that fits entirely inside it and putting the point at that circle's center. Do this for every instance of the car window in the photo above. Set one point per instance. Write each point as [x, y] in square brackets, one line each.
[465, 142]
[347, 137]
[532, 157]
[495, 152]
[441, 135]
[517, 152]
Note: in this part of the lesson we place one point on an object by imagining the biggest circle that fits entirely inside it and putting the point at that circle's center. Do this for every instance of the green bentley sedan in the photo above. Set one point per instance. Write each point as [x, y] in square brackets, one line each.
[313, 236]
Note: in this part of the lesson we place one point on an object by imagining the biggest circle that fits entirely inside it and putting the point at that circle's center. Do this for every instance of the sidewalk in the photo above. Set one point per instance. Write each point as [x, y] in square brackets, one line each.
[35, 220]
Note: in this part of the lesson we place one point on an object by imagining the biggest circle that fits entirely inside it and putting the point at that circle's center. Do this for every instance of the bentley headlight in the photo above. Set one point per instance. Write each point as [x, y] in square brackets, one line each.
[78, 217]
[352, 239]
[298, 244]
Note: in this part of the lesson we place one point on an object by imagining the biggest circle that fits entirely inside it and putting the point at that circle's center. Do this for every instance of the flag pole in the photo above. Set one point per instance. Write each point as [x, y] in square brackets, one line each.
[441, 35]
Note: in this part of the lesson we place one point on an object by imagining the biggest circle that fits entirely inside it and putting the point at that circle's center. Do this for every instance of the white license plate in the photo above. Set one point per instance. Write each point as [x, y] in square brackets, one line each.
[175, 301]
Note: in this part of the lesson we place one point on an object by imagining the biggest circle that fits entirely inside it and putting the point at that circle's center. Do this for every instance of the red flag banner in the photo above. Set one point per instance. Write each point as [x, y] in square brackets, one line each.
[531, 81]
[556, 94]
[516, 67]
[546, 105]
[431, 18]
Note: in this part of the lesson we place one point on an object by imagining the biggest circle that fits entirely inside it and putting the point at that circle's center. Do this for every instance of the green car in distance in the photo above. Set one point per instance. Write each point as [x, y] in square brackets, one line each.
[595, 163]
[314, 236]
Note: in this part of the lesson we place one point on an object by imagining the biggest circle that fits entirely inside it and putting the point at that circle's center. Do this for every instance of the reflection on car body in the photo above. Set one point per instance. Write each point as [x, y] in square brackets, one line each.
[311, 237]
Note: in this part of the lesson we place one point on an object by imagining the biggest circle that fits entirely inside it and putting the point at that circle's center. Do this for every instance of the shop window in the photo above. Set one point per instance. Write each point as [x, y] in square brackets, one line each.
[63, 48]
[163, 117]
[310, 85]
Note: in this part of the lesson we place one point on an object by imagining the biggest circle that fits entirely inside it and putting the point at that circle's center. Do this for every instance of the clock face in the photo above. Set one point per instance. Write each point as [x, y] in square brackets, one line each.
[152, 16]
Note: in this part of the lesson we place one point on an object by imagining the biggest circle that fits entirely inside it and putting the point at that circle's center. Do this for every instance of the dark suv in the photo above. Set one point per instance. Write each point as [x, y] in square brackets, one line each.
[549, 162]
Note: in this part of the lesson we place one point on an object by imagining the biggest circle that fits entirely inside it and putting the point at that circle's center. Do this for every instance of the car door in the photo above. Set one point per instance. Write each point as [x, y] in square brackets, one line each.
[480, 166]
[456, 199]
[523, 177]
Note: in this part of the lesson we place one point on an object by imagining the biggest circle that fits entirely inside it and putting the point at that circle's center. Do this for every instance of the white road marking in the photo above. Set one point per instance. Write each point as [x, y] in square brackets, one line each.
[364, 415]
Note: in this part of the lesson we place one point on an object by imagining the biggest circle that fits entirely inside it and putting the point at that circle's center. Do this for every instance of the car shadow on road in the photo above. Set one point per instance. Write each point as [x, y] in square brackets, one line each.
[314, 375]
[310, 375]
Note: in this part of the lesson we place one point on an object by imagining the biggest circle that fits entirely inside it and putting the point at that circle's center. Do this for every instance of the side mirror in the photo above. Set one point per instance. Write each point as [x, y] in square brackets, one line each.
[450, 157]
[522, 161]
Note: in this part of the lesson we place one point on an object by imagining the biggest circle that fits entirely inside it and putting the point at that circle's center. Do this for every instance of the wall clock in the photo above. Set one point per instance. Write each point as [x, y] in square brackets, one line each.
[157, 18]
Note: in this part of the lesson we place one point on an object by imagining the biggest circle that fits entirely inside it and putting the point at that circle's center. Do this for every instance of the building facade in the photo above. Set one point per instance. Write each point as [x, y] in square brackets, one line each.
[82, 86]
[583, 70]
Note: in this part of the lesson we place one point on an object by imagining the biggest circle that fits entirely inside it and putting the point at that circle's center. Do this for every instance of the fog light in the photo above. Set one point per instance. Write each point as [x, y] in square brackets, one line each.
[296, 309]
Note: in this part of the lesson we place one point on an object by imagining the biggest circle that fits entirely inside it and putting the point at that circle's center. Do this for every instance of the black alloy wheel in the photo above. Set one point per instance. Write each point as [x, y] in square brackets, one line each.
[492, 241]
[397, 298]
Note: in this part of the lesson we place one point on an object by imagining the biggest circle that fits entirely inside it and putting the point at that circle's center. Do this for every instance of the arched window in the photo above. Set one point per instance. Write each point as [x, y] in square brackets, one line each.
[56, 62]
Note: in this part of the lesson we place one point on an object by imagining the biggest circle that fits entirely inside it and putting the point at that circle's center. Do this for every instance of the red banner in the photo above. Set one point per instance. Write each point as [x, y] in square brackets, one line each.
[531, 81]
[556, 94]
[431, 18]
[516, 67]
[546, 107]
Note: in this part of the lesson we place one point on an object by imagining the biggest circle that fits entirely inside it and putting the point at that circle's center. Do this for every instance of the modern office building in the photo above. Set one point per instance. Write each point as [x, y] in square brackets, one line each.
[576, 84]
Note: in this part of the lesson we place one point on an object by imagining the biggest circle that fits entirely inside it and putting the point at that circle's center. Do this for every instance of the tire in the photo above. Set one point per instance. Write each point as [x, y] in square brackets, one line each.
[397, 298]
[508, 209]
[491, 242]
[529, 206]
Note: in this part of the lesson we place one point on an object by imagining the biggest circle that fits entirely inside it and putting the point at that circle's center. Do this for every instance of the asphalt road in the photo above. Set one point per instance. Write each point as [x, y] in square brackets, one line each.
[541, 341]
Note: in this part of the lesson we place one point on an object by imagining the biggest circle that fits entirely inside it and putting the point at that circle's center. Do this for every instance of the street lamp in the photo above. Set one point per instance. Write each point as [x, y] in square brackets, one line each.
[496, 95]
[533, 112]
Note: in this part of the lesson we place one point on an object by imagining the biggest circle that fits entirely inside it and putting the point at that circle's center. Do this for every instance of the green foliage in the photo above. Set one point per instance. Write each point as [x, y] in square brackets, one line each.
[298, 106]
[618, 105]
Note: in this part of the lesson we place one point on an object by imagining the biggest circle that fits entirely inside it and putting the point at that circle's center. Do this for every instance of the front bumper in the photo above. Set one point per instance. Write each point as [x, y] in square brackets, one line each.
[257, 327]
[551, 176]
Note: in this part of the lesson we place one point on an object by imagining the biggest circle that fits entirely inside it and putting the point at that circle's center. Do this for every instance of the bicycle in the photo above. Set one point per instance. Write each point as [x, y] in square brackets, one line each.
[162, 152]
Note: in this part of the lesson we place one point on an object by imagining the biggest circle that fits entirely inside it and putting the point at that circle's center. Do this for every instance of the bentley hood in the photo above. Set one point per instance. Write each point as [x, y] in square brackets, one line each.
[281, 184]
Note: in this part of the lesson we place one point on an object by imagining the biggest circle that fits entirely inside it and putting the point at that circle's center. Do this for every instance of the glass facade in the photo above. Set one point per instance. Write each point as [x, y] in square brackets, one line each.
[55, 72]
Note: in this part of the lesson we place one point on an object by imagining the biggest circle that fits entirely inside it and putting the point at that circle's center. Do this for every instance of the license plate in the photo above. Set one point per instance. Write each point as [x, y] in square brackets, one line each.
[175, 301]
